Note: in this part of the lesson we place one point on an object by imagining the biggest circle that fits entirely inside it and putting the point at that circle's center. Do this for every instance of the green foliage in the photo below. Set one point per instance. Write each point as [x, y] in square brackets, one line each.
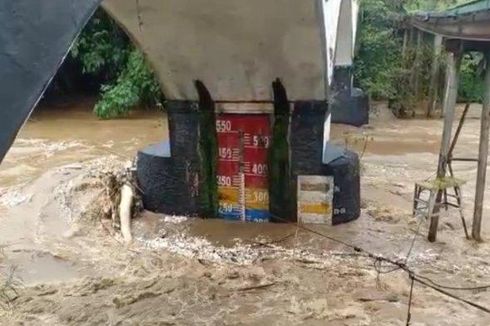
[136, 84]
[105, 51]
[380, 67]
[208, 152]
[377, 63]
[102, 48]
[278, 165]
[471, 85]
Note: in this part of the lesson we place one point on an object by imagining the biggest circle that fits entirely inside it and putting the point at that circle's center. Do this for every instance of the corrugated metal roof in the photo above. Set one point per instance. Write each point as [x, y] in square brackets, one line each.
[470, 7]
[470, 21]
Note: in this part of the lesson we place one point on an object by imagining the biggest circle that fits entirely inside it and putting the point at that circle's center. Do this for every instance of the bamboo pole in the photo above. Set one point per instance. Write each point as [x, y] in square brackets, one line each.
[482, 156]
[452, 80]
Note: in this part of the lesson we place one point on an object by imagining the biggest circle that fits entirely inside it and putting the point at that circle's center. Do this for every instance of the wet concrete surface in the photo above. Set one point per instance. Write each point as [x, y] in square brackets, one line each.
[211, 272]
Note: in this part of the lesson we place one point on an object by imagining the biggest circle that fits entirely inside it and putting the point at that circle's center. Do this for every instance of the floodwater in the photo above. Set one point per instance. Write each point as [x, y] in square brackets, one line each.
[69, 132]
[71, 269]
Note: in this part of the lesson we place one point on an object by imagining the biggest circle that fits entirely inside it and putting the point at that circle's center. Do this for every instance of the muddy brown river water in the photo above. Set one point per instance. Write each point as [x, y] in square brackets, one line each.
[67, 132]
[69, 269]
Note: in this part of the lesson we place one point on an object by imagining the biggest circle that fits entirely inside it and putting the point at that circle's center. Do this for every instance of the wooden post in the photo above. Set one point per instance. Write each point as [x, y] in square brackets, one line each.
[405, 44]
[448, 72]
[418, 55]
[434, 77]
[411, 36]
[483, 155]
[414, 78]
[452, 80]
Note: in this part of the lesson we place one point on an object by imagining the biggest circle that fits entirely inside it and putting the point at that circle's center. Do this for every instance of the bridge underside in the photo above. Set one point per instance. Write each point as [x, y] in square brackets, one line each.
[236, 48]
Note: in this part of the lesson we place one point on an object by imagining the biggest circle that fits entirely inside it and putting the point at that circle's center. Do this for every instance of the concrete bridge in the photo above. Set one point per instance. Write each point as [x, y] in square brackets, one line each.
[267, 61]
[235, 48]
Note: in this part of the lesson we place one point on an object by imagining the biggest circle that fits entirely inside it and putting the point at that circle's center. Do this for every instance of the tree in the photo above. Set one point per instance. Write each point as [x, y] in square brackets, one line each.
[105, 51]
[378, 60]
[380, 68]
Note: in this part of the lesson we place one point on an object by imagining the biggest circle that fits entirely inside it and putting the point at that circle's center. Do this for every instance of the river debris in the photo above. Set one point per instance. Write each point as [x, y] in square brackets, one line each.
[95, 193]
[9, 285]
[125, 208]
[240, 254]
[175, 219]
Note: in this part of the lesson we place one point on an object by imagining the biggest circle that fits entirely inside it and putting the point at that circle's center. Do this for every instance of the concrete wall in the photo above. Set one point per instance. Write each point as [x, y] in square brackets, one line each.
[331, 15]
[345, 44]
[171, 184]
[307, 152]
[348, 105]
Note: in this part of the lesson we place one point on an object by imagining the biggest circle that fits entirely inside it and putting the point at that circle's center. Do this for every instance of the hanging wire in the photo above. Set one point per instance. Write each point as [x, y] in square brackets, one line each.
[400, 265]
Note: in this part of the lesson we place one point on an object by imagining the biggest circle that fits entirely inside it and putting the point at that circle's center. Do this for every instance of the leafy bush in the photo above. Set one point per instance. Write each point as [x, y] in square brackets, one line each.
[102, 48]
[136, 84]
[105, 51]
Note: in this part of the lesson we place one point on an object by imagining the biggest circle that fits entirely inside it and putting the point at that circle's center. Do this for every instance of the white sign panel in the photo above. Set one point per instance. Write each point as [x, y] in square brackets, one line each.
[315, 199]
